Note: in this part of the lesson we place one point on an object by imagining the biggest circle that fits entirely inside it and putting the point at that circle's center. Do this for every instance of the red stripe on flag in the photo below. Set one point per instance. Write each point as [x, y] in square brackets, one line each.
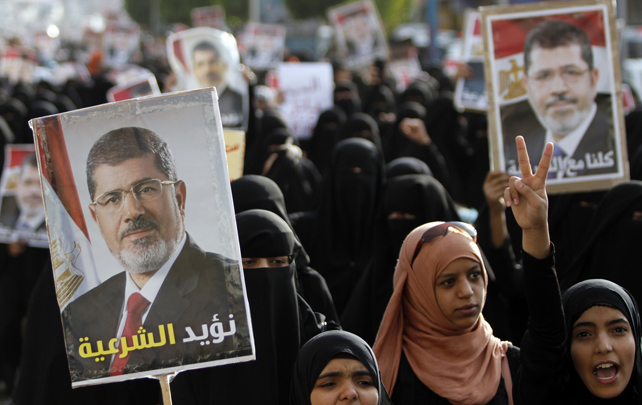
[56, 168]
[178, 51]
[509, 35]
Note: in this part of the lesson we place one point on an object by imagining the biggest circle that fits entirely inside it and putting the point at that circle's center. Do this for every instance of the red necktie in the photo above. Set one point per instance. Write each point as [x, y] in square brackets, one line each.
[135, 306]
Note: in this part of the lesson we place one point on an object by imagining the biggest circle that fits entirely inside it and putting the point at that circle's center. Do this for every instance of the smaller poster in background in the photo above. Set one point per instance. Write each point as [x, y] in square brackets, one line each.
[307, 91]
[22, 213]
[263, 45]
[235, 151]
[206, 57]
[406, 71]
[470, 93]
[360, 36]
[141, 86]
[213, 16]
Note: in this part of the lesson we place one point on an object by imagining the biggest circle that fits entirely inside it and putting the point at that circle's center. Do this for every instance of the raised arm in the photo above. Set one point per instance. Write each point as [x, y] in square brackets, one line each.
[528, 199]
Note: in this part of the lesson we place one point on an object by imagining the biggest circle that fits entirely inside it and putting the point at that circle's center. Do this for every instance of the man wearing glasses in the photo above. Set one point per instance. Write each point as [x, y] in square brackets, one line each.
[561, 81]
[138, 203]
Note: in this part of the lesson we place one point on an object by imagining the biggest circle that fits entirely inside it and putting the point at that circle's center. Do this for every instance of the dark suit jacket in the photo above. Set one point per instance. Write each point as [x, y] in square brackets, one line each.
[231, 105]
[519, 119]
[194, 290]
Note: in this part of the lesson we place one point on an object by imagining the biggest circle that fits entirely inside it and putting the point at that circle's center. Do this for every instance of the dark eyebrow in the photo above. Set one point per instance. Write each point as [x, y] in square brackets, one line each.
[579, 324]
[339, 373]
[616, 321]
[476, 266]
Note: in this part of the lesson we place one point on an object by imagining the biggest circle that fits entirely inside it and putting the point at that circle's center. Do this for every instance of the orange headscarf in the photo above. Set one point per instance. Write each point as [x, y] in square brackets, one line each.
[461, 365]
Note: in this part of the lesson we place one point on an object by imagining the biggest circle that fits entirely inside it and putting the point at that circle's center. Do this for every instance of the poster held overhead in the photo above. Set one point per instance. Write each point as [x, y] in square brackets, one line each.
[360, 36]
[553, 75]
[470, 92]
[22, 214]
[207, 57]
[147, 275]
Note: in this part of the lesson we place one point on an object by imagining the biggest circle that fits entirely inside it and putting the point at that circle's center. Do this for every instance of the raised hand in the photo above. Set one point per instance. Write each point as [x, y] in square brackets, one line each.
[528, 200]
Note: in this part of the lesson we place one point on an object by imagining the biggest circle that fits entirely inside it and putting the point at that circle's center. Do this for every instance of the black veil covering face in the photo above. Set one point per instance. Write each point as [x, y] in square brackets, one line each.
[346, 97]
[612, 242]
[258, 192]
[576, 301]
[348, 216]
[325, 135]
[408, 202]
[318, 352]
[278, 324]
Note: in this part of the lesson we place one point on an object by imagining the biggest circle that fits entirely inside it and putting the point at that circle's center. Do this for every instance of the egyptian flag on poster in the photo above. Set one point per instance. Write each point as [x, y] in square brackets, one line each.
[71, 256]
[508, 40]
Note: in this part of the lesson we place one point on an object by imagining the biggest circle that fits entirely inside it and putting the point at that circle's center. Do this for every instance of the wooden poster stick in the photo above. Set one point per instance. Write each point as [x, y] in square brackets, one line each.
[167, 393]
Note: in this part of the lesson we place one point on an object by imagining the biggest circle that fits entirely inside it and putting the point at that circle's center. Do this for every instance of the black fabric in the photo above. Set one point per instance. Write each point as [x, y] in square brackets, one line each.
[399, 145]
[264, 234]
[318, 352]
[258, 192]
[44, 371]
[349, 103]
[361, 125]
[418, 92]
[277, 325]
[406, 165]
[410, 390]
[296, 176]
[547, 374]
[610, 249]
[348, 216]
[419, 195]
[325, 136]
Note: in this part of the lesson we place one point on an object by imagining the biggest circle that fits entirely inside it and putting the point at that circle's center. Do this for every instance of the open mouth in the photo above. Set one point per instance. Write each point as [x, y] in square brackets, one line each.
[606, 372]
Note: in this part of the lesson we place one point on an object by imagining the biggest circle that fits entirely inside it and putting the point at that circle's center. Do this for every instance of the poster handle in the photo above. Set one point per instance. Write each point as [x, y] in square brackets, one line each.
[164, 382]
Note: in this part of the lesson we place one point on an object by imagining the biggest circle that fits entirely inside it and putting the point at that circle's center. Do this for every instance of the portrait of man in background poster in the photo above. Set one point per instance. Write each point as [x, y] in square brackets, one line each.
[22, 214]
[207, 57]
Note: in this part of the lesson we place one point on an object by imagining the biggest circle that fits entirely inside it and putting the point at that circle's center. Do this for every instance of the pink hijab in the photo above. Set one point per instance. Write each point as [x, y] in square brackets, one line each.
[461, 365]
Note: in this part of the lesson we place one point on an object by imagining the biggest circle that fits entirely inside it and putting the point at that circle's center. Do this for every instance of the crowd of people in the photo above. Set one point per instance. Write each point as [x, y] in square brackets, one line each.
[366, 281]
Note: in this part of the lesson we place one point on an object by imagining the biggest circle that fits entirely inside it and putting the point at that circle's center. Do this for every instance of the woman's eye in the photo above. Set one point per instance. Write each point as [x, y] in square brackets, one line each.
[448, 282]
[582, 334]
[475, 274]
[620, 329]
[368, 383]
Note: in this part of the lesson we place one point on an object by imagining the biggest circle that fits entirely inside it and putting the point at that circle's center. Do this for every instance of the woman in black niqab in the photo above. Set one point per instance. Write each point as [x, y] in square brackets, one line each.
[278, 323]
[319, 351]
[325, 136]
[361, 125]
[258, 192]
[348, 216]
[612, 242]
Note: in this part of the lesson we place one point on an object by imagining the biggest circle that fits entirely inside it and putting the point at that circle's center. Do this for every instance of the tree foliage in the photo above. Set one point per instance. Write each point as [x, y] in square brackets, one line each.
[178, 11]
[393, 12]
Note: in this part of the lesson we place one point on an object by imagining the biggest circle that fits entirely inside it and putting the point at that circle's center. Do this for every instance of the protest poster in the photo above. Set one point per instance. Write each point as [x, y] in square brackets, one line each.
[207, 57]
[212, 16]
[470, 92]
[140, 86]
[120, 41]
[405, 71]
[360, 36]
[235, 151]
[168, 257]
[22, 214]
[553, 75]
[307, 90]
[263, 45]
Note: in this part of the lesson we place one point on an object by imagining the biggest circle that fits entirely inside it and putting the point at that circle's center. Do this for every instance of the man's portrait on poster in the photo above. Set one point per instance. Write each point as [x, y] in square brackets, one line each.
[157, 312]
[563, 105]
[210, 69]
[22, 216]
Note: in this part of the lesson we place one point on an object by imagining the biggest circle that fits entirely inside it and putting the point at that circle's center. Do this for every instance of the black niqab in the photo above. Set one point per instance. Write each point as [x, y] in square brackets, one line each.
[325, 136]
[406, 165]
[318, 352]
